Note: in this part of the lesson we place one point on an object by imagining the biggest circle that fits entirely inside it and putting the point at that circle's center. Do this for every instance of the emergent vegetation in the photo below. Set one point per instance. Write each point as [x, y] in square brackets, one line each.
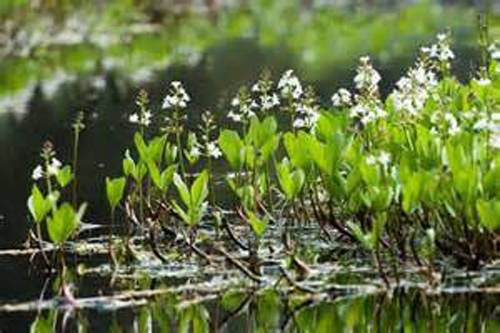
[409, 181]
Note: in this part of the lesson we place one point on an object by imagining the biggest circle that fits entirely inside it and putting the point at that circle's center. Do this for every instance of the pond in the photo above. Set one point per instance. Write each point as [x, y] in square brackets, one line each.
[341, 292]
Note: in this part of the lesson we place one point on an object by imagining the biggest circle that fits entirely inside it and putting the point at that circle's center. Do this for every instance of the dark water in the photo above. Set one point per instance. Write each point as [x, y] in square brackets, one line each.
[267, 310]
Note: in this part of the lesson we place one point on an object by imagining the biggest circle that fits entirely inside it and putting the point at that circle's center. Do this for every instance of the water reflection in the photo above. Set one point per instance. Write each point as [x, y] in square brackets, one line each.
[267, 311]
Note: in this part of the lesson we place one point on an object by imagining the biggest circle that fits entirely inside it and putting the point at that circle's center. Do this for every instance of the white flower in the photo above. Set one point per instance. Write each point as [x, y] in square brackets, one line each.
[143, 118]
[290, 85]
[440, 51]
[146, 118]
[368, 118]
[453, 127]
[371, 160]
[495, 141]
[358, 110]
[234, 116]
[243, 109]
[384, 158]
[453, 130]
[213, 150]
[367, 113]
[195, 152]
[307, 116]
[446, 54]
[367, 78]
[299, 123]
[177, 97]
[133, 118]
[494, 51]
[481, 124]
[483, 82]
[235, 102]
[413, 90]
[341, 98]
[379, 112]
[53, 167]
[269, 101]
[37, 172]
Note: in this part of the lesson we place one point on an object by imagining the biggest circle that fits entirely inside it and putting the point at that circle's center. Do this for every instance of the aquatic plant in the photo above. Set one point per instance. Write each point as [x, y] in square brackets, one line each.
[410, 179]
[60, 219]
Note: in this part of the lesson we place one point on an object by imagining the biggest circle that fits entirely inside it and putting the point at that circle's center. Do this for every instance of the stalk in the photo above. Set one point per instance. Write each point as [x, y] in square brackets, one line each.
[178, 142]
[110, 239]
[78, 127]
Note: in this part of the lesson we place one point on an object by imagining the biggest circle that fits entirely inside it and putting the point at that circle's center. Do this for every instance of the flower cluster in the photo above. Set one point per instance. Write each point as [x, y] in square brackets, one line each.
[342, 98]
[367, 107]
[383, 159]
[206, 148]
[51, 170]
[367, 78]
[242, 107]
[289, 85]
[367, 112]
[414, 89]
[143, 119]
[177, 98]
[268, 102]
[265, 100]
[143, 116]
[307, 111]
[491, 125]
[440, 52]
[196, 149]
[452, 123]
[494, 51]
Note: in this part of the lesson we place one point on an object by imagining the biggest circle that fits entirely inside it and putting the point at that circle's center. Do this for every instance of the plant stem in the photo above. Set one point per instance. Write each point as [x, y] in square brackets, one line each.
[178, 142]
[110, 239]
[75, 166]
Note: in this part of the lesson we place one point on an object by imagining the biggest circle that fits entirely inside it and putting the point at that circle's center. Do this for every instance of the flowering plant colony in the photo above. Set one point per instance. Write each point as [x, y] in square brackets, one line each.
[412, 179]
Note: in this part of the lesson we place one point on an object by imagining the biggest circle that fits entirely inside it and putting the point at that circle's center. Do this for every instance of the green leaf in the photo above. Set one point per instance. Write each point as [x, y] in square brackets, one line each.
[155, 148]
[130, 168]
[43, 324]
[38, 205]
[141, 146]
[167, 177]
[330, 125]
[365, 240]
[258, 225]
[232, 148]
[291, 182]
[170, 153]
[162, 180]
[246, 194]
[63, 222]
[294, 146]
[268, 148]
[199, 190]
[259, 132]
[64, 176]
[231, 300]
[114, 190]
[182, 189]
[128, 165]
[183, 215]
[489, 213]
